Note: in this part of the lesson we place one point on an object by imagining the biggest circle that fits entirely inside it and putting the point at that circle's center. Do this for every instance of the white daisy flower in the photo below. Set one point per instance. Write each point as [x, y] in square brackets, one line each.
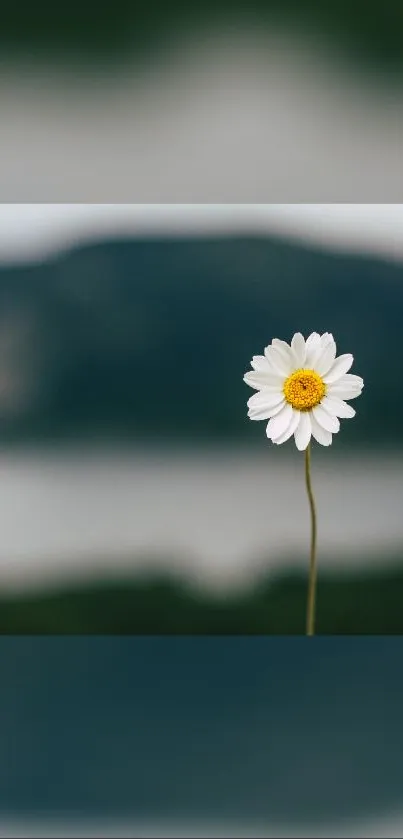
[302, 389]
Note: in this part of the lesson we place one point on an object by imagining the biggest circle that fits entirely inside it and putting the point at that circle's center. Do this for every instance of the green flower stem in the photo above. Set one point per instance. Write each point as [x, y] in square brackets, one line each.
[310, 613]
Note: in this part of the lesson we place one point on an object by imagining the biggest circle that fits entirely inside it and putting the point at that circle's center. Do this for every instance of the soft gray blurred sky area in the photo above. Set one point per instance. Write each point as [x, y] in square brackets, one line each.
[229, 116]
[29, 231]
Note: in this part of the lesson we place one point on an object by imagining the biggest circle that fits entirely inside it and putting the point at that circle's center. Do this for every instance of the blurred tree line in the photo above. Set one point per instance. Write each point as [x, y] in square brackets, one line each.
[357, 602]
[367, 30]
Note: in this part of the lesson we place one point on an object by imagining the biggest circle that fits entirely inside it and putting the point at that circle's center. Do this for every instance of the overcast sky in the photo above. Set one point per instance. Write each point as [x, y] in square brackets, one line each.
[33, 230]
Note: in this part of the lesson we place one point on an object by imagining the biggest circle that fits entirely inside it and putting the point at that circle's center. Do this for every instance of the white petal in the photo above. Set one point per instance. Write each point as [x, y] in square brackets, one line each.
[265, 412]
[259, 362]
[279, 424]
[282, 438]
[324, 419]
[351, 379]
[337, 407]
[312, 340]
[279, 360]
[298, 349]
[265, 397]
[313, 349]
[326, 358]
[326, 339]
[320, 434]
[303, 431]
[343, 392]
[339, 368]
[284, 348]
[263, 379]
[264, 405]
[348, 387]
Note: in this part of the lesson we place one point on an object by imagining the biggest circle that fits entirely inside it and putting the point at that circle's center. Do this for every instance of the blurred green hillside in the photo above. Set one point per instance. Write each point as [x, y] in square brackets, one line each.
[357, 602]
[366, 30]
[149, 339]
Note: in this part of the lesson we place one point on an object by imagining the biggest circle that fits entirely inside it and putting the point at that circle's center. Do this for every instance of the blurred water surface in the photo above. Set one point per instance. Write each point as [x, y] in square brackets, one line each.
[213, 516]
[261, 737]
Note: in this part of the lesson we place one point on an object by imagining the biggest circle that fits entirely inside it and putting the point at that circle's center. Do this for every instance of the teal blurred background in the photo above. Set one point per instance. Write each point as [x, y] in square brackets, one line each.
[201, 737]
[135, 495]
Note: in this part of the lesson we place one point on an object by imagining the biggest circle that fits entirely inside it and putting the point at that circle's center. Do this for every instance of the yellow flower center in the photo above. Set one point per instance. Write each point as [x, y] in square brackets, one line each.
[304, 389]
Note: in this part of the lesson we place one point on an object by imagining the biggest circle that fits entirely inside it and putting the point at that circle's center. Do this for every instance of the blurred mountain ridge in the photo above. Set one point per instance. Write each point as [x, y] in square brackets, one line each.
[150, 338]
